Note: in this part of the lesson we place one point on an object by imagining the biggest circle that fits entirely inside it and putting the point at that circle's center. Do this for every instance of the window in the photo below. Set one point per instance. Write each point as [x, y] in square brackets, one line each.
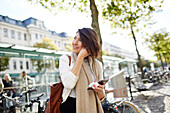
[36, 36]
[30, 36]
[65, 45]
[12, 21]
[20, 23]
[39, 25]
[25, 36]
[54, 41]
[19, 35]
[12, 34]
[58, 43]
[41, 36]
[27, 65]
[21, 65]
[6, 19]
[5, 32]
[34, 22]
[14, 64]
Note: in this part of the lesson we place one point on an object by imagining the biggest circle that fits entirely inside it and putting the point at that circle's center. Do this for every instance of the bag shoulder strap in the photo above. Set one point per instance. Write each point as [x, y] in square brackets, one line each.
[69, 57]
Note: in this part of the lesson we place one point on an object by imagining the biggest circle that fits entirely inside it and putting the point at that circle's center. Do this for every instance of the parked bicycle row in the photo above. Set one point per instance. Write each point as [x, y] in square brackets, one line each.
[156, 77]
[19, 105]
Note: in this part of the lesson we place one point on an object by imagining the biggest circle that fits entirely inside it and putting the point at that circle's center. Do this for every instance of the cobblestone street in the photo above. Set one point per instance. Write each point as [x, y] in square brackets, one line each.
[155, 100]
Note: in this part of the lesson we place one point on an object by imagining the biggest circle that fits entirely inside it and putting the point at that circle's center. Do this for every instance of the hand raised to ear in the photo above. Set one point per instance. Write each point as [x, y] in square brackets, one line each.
[83, 53]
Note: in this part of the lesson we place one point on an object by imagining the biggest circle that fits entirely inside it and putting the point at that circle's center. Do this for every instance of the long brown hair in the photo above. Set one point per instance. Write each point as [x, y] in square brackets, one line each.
[90, 41]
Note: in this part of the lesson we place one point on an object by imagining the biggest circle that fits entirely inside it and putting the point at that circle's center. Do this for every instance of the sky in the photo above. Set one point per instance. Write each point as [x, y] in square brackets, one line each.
[69, 22]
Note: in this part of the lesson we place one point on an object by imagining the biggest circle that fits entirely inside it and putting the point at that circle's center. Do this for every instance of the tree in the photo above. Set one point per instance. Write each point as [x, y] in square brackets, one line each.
[143, 62]
[80, 5]
[159, 42]
[128, 14]
[46, 43]
[39, 63]
[4, 62]
[148, 62]
[69, 45]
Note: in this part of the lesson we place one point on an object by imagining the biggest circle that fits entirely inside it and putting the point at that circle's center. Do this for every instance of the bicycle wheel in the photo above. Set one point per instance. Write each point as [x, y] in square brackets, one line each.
[127, 107]
[109, 108]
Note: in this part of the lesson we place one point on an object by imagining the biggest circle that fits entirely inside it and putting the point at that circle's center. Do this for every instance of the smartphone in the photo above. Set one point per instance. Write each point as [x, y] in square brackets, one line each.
[103, 82]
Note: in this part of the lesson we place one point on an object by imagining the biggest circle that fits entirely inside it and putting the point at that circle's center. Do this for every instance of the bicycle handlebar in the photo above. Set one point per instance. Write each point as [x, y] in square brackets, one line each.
[5, 95]
[37, 98]
[28, 91]
[32, 101]
[15, 99]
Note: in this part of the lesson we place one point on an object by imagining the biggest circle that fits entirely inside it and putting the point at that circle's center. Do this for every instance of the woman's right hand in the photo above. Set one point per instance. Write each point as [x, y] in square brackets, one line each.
[77, 66]
[83, 53]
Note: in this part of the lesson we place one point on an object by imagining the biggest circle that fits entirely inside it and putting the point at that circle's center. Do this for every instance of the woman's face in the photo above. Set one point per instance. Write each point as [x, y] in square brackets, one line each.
[77, 44]
[6, 78]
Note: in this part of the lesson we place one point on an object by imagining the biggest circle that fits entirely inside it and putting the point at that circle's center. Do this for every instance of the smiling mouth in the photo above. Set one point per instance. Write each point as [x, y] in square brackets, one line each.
[75, 47]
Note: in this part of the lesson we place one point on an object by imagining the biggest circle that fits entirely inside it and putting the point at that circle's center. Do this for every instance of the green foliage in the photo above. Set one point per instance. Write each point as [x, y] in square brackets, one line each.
[46, 43]
[156, 64]
[146, 63]
[127, 13]
[106, 53]
[4, 62]
[159, 42]
[143, 62]
[40, 64]
[63, 5]
[123, 65]
[57, 63]
[69, 45]
[119, 56]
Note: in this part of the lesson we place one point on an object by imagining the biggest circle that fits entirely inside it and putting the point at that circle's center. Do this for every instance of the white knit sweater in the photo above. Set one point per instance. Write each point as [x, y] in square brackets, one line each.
[68, 79]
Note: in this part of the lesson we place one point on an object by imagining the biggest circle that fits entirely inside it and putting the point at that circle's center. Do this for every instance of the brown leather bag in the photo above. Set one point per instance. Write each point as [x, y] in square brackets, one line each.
[55, 100]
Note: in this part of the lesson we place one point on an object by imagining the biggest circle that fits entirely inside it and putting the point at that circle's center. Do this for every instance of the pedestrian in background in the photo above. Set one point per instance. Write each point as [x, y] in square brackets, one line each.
[26, 80]
[7, 84]
[84, 69]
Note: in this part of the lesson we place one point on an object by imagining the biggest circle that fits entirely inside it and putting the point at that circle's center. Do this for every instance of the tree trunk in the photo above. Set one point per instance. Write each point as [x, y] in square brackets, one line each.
[139, 56]
[165, 59]
[161, 60]
[95, 24]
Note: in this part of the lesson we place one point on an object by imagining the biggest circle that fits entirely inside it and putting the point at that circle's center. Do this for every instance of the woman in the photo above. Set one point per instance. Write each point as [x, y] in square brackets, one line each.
[84, 69]
[7, 83]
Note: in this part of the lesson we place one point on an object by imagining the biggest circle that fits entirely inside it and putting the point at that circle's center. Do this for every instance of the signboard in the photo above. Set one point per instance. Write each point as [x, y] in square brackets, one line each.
[118, 82]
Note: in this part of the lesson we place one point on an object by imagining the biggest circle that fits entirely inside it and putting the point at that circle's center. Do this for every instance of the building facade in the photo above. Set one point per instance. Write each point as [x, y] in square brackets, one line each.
[27, 33]
[114, 50]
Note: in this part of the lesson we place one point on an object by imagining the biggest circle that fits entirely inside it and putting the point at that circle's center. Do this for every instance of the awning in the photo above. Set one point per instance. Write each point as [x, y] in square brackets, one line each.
[12, 50]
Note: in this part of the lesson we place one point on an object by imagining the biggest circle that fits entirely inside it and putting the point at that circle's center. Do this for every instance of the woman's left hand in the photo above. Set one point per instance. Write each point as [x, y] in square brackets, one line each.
[100, 91]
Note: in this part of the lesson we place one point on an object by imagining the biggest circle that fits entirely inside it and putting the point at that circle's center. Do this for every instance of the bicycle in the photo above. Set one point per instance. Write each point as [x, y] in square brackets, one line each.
[16, 107]
[119, 106]
[41, 109]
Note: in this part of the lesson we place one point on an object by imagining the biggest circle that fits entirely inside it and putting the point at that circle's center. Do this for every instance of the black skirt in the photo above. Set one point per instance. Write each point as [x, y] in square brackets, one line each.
[69, 106]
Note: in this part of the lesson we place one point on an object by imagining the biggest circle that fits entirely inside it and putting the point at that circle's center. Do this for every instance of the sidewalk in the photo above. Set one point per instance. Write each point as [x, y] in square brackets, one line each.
[155, 100]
